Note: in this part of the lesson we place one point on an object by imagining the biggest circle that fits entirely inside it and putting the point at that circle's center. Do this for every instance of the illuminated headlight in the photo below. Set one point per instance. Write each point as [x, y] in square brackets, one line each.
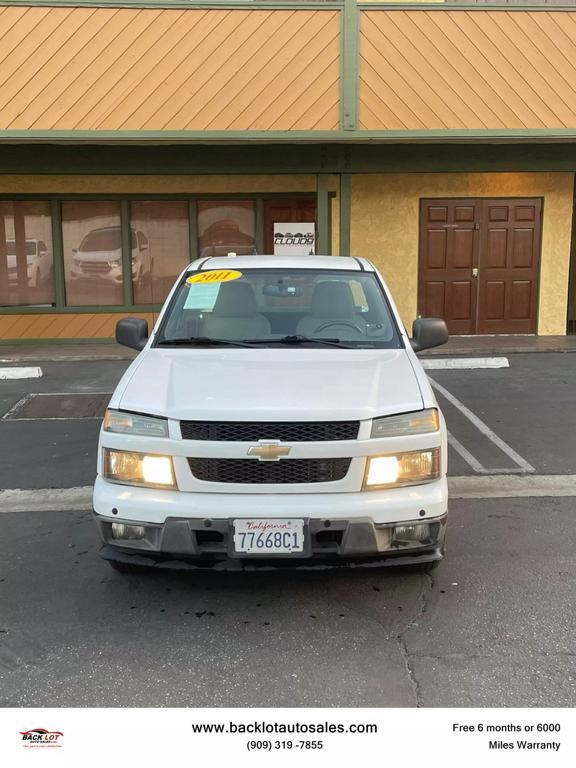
[410, 468]
[416, 423]
[138, 469]
[115, 263]
[134, 424]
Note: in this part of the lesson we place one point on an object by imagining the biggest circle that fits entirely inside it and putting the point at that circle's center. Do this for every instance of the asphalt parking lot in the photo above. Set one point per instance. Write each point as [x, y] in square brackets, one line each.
[492, 626]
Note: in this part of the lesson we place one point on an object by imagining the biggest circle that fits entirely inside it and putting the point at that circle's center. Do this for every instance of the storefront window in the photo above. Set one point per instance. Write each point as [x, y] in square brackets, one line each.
[26, 260]
[161, 247]
[225, 226]
[92, 253]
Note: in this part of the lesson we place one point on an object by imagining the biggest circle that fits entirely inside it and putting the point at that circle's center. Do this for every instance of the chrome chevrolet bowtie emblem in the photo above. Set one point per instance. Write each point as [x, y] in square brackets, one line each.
[269, 450]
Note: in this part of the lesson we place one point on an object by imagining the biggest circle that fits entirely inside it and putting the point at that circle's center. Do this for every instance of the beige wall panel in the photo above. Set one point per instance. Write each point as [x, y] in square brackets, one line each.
[114, 69]
[465, 69]
[168, 69]
[68, 326]
[385, 223]
[106, 184]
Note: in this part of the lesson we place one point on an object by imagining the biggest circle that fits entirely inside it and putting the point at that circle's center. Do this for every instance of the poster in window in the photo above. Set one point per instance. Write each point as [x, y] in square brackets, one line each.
[294, 238]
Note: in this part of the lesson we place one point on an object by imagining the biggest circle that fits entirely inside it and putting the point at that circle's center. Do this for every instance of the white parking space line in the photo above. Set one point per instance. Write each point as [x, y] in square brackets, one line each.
[523, 465]
[463, 363]
[466, 487]
[465, 454]
[32, 372]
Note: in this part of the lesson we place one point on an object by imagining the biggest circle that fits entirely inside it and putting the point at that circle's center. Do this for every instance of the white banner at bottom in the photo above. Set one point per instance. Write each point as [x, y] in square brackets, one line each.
[287, 737]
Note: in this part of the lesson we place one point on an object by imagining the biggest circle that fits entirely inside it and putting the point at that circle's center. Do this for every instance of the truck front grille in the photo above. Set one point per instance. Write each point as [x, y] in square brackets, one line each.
[285, 431]
[277, 472]
[94, 267]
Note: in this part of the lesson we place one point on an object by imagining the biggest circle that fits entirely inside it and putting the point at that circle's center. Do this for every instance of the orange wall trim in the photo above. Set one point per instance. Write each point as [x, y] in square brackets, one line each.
[65, 326]
[90, 68]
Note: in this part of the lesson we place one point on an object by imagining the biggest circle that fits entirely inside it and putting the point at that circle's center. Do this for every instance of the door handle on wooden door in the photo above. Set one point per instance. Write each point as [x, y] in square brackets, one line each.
[475, 272]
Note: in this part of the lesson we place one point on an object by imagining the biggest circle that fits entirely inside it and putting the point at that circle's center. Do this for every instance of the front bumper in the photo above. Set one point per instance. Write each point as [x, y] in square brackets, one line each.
[205, 542]
[195, 528]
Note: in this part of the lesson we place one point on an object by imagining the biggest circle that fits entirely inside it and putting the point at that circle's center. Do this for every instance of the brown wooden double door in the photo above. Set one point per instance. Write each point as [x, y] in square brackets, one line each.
[479, 263]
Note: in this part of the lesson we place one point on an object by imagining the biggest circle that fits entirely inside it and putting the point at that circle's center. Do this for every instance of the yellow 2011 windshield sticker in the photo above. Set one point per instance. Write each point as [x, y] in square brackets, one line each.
[214, 276]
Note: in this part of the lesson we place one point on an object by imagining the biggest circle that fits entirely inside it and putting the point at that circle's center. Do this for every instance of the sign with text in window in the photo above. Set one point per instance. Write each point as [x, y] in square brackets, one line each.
[294, 238]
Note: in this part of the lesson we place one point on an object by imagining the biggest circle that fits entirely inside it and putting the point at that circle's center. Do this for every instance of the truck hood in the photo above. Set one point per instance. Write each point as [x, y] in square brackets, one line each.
[270, 384]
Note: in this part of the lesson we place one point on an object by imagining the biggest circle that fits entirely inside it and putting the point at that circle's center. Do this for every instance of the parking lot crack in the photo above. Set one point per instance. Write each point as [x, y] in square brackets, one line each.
[422, 606]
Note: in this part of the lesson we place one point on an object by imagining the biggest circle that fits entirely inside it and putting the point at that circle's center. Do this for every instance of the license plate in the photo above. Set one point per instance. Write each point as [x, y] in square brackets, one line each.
[269, 537]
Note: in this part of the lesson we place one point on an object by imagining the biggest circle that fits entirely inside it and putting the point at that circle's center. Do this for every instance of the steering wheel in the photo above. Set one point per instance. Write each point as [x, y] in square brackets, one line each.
[337, 322]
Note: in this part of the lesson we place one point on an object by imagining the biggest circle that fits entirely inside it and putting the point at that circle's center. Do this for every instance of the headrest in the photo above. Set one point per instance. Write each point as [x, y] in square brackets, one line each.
[235, 300]
[332, 299]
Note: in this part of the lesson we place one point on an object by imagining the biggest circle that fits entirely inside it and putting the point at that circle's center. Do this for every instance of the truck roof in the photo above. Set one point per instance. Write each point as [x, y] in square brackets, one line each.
[284, 262]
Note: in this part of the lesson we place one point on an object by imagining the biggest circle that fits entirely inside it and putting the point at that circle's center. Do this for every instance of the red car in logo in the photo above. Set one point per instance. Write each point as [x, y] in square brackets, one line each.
[41, 737]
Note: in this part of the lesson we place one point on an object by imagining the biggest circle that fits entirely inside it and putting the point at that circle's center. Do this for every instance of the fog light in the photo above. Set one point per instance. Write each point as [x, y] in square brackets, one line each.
[123, 531]
[418, 532]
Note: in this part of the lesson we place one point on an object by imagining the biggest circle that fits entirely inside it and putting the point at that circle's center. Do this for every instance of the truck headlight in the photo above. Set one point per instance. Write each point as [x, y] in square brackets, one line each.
[416, 423]
[133, 468]
[409, 468]
[134, 424]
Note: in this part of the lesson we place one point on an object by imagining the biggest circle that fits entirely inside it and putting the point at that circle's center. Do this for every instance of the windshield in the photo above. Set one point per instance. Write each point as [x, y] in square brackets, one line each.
[102, 240]
[277, 305]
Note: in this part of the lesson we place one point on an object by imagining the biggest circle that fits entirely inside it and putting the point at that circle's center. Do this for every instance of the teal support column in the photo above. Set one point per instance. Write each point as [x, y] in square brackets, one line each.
[345, 213]
[58, 254]
[193, 229]
[349, 63]
[128, 288]
[259, 225]
[322, 215]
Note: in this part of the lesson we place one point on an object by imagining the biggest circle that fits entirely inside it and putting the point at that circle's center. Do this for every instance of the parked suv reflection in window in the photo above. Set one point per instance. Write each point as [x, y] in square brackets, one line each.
[93, 252]
[26, 260]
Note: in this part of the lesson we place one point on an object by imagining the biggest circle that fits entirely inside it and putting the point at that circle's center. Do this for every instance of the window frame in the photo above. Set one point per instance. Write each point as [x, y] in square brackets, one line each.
[56, 199]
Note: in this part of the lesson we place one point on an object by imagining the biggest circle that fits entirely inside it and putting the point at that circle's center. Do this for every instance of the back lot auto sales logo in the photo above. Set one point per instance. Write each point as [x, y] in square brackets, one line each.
[40, 737]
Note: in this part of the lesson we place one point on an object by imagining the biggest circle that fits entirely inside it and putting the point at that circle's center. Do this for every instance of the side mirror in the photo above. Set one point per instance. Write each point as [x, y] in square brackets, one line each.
[132, 332]
[428, 332]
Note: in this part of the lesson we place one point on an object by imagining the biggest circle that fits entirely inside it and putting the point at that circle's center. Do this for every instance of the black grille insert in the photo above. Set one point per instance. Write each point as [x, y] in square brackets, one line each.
[286, 431]
[258, 472]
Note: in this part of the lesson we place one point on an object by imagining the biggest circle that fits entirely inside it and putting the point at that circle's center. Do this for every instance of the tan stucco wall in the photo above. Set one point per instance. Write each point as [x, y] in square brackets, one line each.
[385, 213]
[167, 184]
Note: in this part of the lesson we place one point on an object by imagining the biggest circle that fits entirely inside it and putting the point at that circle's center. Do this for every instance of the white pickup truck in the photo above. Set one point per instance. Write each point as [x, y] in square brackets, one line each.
[277, 411]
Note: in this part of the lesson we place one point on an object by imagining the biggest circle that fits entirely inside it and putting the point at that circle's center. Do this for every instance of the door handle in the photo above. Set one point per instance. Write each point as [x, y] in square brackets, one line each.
[475, 272]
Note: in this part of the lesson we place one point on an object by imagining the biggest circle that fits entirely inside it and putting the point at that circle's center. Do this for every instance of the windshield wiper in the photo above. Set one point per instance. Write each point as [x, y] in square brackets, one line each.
[299, 339]
[201, 341]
